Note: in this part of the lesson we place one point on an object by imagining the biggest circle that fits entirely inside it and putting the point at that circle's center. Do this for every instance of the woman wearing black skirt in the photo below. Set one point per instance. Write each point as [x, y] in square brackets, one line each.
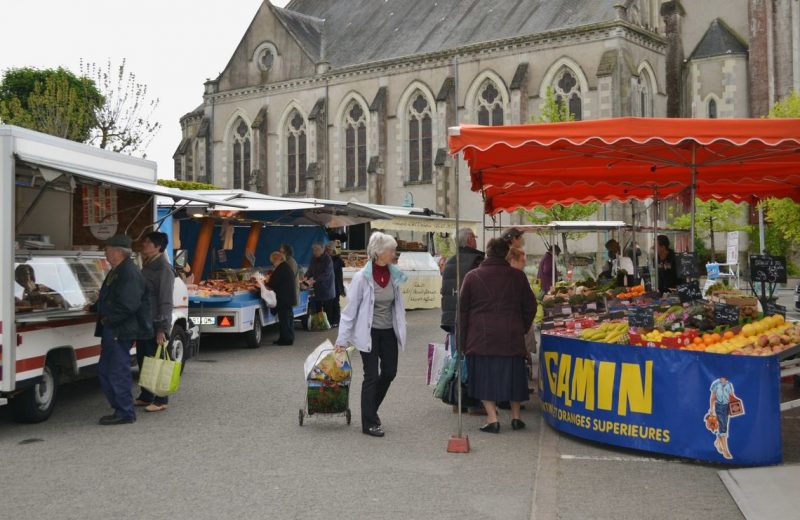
[496, 309]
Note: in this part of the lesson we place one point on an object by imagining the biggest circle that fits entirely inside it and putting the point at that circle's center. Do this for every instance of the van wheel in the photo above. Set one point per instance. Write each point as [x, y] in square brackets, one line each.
[253, 337]
[36, 403]
[178, 345]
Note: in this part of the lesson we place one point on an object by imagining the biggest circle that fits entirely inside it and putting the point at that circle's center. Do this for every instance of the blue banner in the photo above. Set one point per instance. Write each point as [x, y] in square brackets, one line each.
[711, 407]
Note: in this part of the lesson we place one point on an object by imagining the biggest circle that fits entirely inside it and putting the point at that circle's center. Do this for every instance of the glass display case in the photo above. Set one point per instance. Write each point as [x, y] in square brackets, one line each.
[57, 281]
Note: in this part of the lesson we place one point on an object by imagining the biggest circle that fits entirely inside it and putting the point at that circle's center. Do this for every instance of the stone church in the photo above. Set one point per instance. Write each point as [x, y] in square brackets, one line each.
[352, 99]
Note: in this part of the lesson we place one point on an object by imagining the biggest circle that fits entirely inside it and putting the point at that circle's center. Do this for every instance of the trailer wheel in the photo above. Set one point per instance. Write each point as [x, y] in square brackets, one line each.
[36, 403]
[253, 337]
[178, 345]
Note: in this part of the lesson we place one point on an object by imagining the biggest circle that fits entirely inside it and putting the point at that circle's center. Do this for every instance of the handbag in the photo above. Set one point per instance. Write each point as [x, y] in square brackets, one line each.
[735, 406]
[319, 321]
[160, 374]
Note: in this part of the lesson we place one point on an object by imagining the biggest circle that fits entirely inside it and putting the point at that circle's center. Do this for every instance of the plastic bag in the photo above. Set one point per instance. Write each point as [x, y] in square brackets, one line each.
[319, 321]
[327, 365]
[268, 295]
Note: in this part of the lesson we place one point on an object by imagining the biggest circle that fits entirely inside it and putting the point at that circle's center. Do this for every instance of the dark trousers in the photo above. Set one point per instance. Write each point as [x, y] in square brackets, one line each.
[147, 347]
[334, 311]
[285, 324]
[114, 373]
[380, 367]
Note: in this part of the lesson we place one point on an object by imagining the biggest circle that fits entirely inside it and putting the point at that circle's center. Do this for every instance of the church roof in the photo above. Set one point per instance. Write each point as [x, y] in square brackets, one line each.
[719, 40]
[307, 30]
[363, 31]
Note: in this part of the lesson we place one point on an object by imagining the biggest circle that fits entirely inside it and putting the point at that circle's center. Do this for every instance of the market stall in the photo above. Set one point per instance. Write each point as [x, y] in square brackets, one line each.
[690, 374]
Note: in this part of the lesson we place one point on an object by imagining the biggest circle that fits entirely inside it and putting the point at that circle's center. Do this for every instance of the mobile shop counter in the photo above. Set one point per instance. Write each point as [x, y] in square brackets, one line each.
[658, 399]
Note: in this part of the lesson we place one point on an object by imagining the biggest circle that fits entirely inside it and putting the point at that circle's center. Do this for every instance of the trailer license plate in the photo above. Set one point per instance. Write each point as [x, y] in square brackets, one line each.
[203, 320]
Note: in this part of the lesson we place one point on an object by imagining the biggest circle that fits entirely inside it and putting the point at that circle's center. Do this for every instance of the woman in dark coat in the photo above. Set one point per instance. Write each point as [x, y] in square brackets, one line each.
[334, 310]
[496, 309]
[320, 275]
[282, 282]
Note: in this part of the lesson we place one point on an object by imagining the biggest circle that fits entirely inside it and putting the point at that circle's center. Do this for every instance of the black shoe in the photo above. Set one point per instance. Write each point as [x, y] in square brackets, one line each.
[491, 427]
[284, 343]
[108, 420]
[517, 424]
[374, 431]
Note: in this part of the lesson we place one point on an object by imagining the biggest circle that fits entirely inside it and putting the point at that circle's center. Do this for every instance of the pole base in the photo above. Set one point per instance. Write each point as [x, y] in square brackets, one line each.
[458, 444]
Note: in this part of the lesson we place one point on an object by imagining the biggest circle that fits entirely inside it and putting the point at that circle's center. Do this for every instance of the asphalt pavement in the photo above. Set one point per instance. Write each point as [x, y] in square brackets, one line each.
[230, 446]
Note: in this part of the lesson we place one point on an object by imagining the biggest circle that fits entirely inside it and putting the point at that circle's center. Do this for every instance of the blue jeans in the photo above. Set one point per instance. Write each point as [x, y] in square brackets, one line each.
[114, 373]
[147, 347]
[721, 409]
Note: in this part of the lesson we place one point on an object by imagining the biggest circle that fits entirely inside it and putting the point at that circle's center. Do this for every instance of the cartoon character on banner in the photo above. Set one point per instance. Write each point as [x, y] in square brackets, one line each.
[723, 404]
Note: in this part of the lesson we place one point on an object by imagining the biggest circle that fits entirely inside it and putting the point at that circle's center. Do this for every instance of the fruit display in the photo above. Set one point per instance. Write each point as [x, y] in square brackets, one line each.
[608, 332]
[633, 292]
[223, 287]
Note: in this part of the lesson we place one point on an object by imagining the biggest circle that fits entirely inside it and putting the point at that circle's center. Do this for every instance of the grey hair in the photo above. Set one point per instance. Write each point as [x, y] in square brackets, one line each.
[464, 234]
[378, 243]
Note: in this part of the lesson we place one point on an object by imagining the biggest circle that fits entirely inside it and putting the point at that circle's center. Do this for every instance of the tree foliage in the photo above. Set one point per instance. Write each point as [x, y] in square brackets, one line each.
[712, 216]
[53, 101]
[124, 122]
[552, 111]
[787, 107]
[186, 185]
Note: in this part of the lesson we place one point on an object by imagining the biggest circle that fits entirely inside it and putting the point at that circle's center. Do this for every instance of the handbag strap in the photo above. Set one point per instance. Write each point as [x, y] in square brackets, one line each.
[162, 351]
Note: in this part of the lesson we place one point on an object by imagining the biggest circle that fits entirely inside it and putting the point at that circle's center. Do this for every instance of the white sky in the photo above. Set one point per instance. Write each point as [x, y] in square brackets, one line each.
[173, 46]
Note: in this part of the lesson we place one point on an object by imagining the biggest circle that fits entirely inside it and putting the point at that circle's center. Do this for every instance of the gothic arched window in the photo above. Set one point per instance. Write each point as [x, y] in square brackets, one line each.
[712, 108]
[241, 154]
[642, 97]
[567, 90]
[355, 146]
[490, 105]
[420, 139]
[296, 153]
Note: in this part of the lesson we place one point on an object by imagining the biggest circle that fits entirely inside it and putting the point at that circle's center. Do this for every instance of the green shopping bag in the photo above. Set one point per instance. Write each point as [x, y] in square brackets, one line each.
[160, 374]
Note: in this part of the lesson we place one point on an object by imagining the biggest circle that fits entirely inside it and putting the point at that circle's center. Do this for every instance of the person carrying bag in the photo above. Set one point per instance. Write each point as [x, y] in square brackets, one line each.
[160, 374]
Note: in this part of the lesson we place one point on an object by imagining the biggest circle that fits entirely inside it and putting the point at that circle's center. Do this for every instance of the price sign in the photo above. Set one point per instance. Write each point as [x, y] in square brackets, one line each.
[644, 274]
[774, 308]
[689, 292]
[766, 268]
[687, 265]
[641, 317]
[725, 314]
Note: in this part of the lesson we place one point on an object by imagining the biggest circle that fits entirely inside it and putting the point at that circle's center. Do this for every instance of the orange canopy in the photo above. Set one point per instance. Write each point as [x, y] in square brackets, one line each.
[620, 159]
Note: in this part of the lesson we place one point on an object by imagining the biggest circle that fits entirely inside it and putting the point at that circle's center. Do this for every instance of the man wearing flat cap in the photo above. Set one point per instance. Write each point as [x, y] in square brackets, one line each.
[123, 315]
[514, 238]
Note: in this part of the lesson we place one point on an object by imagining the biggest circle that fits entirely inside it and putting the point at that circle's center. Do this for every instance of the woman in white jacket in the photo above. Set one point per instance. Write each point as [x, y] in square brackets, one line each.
[374, 321]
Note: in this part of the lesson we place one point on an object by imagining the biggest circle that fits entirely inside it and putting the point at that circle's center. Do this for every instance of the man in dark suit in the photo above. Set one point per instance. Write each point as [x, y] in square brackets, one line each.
[282, 281]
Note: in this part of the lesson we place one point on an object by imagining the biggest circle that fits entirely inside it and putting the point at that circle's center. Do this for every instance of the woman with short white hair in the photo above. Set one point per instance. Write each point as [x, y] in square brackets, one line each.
[374, 321]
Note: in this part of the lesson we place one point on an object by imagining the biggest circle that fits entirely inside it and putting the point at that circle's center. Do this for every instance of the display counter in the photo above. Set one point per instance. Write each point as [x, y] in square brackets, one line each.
[658, 399]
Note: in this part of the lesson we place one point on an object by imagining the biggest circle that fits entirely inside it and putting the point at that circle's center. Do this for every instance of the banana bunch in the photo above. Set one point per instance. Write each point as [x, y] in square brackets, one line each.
[605, 333]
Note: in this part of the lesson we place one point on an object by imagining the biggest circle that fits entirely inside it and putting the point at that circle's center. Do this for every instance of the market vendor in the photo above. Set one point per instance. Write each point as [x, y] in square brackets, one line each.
[546, 268]
[667, 265]
[320, 275]
[514, 238]
[612, 250]
[38, 296]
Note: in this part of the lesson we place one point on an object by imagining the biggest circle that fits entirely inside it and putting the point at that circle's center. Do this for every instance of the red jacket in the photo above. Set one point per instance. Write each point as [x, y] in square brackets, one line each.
[496, 309]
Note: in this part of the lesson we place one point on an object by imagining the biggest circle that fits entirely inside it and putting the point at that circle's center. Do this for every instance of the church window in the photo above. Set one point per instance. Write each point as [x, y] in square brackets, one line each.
[568, 90]
[266, 59]
[355, 146]
[241, 154]
[490, 105]
[296, 153]
[420, 139]
[712, 108]
[642, 97]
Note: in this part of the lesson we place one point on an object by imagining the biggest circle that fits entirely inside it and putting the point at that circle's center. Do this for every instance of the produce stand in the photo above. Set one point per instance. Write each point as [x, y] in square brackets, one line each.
[655, 397]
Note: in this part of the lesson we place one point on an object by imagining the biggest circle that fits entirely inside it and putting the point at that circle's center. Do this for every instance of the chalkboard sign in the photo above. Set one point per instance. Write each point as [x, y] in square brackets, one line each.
[766, 268]
[689, 292]
[641, 317]
[774, 308]
[725, 314]
[687, 265]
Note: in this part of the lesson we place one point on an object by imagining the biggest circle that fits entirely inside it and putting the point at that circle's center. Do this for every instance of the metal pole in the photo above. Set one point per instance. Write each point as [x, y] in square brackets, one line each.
[654, 273]
[458, 258]
[762, 247]
[693, 193]
[553, 257]
[7, 310]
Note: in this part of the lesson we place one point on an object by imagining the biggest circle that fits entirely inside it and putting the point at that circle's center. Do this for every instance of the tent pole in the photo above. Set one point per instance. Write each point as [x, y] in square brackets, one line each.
[654, 273]
[553, 257]
[762, 247]
[693, 194]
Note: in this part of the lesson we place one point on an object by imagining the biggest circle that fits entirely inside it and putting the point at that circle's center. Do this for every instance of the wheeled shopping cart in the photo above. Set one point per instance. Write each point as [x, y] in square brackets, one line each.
[327, 384]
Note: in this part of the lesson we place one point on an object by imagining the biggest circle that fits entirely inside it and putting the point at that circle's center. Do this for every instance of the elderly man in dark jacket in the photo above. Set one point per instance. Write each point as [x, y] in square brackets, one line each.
[282, 282]
[160, 279]
[320, 275]
[496, 309]
[123, 315]
[470, 258]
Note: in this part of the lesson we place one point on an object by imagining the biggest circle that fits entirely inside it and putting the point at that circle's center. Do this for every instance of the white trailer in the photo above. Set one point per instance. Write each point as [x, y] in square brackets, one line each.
[58, 204]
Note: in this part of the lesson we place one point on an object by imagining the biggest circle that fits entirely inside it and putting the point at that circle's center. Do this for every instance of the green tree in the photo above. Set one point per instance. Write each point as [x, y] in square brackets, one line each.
[553, 111]
[186, 185]
[786, 107]
[53, 101]
[124, 123]
[710, 217]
